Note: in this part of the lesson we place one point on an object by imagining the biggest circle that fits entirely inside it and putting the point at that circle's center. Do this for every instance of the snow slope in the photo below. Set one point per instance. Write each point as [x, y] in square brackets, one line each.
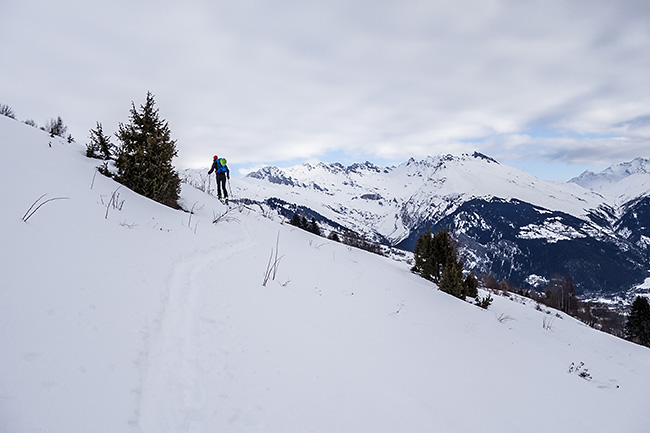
[138, 318]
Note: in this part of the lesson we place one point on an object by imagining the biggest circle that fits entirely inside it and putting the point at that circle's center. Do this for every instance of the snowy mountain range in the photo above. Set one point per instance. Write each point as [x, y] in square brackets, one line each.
[594, 228]
[121, 315]
[619, 183]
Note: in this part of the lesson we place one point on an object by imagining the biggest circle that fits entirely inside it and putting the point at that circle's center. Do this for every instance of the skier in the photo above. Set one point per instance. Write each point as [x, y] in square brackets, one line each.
[221, 170]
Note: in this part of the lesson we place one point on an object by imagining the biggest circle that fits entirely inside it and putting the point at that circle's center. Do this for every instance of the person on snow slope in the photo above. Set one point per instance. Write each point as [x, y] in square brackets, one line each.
[219, 166]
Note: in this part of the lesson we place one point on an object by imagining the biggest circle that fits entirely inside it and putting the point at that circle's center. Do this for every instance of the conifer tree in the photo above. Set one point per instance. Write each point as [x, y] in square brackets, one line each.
[55, 127]
[637, 328]
[436, 259]
[443, 250]
[451, 279]
[295, 220]
[99, 146]
[422, 255]
[433, 253]
[145, 153]
[313, 227]
[470, 285]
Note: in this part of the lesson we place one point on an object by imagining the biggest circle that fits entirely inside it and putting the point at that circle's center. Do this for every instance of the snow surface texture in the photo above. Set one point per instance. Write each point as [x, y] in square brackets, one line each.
[127, 316]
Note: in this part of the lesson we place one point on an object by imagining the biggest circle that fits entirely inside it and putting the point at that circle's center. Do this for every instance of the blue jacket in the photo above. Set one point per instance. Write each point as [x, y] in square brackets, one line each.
[222, 170]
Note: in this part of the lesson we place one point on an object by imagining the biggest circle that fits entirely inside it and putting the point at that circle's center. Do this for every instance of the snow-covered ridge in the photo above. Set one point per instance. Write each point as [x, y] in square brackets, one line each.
[473, 175]
[385, 202]
[619, 183]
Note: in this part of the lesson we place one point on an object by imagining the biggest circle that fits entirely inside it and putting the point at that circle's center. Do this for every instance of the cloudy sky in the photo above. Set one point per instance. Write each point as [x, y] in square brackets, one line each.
[553, 87]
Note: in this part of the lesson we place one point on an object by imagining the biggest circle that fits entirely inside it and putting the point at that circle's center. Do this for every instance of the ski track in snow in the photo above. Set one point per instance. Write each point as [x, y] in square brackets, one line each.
[173, 396]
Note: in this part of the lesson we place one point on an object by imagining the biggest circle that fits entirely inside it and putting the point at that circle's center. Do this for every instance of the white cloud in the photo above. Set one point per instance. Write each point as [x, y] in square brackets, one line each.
[274, 81]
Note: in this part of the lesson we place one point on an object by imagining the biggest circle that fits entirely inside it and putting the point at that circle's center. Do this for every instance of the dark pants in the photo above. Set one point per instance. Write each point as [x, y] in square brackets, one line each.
[221, 185]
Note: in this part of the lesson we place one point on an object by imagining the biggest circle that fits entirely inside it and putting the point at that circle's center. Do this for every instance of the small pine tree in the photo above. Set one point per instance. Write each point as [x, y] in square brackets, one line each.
[436, 259]
[637, 328]
[334, 237]
[451, 279]
[433, 253]
[145, 153]
[484, 302]
[99, 146]
[295, 220]
[470, 286]
[422, 255]
[313, 227]
[444, 252]
[55, 127]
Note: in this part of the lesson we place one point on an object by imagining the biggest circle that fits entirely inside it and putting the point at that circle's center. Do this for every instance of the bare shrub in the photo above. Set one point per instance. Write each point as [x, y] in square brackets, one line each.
[502, 318]
[114, 202]
[547, 322]
[6, 110]
[32, 210]
[274, 262]
[224, 217]
[484, 302]
[580, 370]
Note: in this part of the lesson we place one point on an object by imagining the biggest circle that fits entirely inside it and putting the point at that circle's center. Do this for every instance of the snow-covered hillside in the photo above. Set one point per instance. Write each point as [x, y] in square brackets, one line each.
[120, 315]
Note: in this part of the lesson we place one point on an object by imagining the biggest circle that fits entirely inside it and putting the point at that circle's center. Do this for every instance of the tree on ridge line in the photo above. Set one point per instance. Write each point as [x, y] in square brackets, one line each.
[145, 153]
